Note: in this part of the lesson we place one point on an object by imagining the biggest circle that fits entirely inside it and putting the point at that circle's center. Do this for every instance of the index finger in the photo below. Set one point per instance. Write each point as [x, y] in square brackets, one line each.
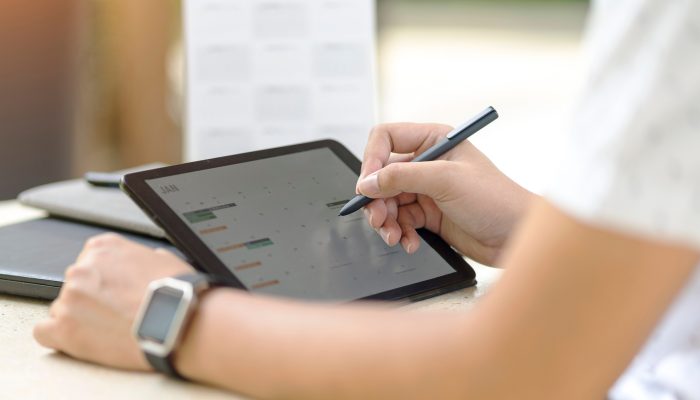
[402, 137]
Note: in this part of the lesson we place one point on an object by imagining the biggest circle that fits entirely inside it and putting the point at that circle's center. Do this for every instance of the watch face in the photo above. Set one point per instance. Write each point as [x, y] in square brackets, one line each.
[160, 314]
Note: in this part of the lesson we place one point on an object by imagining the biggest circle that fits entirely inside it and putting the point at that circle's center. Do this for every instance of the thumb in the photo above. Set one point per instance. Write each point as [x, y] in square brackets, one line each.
[428, 178]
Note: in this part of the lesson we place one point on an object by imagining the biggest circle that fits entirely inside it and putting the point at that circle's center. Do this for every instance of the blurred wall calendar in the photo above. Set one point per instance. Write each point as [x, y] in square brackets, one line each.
[264, 73]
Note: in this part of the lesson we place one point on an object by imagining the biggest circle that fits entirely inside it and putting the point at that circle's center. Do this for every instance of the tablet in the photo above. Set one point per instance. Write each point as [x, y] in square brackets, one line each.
[267, 221]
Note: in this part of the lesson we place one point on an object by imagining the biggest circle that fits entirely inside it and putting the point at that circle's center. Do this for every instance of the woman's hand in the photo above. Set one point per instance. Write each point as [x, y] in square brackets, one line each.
[92, 317]
[462, 196]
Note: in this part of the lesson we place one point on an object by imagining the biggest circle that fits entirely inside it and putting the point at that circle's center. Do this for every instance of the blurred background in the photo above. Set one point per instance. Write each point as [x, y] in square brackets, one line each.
[96, 85]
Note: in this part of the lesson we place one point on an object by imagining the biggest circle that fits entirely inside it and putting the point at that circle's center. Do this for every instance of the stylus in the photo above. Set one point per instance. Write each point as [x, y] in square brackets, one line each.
[455, 137]
[103, 179]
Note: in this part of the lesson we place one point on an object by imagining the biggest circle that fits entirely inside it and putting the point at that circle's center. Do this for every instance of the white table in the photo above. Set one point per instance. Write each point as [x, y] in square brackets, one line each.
[29, 371]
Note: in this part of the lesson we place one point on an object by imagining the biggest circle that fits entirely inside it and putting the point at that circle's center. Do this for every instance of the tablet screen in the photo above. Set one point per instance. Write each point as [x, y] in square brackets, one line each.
[274, 224]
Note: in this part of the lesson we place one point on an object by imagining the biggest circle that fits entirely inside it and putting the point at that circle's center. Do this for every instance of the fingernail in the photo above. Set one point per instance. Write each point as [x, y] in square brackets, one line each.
[386, 235]
[370, 185]
[409, 249]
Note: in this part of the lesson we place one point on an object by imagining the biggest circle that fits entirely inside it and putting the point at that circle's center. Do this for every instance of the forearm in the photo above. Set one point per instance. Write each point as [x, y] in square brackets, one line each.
[574, 305]
[269, 348]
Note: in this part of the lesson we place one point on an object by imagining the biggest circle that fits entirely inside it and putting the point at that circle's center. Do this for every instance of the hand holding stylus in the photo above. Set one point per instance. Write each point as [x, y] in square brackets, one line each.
[461, 196]
[452, 139]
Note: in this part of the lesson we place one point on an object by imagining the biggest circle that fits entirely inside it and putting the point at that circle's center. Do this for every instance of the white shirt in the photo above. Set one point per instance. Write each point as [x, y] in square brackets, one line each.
[633, 163]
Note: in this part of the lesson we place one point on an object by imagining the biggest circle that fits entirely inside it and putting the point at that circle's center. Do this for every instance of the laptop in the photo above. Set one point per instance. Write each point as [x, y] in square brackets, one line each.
[35, 254]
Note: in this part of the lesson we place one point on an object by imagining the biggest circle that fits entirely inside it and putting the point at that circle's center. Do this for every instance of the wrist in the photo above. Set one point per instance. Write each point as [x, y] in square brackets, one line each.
[165, 316]
[514, 206]
[191, 358]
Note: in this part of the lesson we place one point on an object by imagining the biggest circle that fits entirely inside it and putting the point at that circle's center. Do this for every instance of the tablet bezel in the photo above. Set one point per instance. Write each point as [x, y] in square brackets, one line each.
[204, 259]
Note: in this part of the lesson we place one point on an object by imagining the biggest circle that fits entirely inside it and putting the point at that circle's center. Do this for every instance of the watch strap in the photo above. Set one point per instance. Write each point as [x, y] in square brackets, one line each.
[200, 282]
[164, 365]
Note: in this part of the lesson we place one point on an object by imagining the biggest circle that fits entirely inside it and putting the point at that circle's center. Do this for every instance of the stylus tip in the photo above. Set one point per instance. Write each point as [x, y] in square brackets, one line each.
[344, 211]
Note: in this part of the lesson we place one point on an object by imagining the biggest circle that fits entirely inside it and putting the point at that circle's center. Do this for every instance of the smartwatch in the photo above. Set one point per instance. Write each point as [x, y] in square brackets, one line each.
[164, 315]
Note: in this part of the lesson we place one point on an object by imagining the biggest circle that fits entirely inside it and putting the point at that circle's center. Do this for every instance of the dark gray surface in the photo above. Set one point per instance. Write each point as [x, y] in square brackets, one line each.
[35, 254]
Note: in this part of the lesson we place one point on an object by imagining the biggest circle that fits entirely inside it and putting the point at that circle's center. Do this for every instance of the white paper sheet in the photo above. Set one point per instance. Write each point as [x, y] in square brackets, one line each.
[265, 73]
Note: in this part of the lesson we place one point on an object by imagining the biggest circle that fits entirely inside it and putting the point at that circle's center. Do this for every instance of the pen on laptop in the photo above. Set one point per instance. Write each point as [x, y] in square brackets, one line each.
[103, 179]
[455, 137]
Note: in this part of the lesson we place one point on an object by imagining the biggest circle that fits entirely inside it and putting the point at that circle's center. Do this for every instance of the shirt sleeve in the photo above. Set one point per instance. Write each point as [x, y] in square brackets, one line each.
[632, 161]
